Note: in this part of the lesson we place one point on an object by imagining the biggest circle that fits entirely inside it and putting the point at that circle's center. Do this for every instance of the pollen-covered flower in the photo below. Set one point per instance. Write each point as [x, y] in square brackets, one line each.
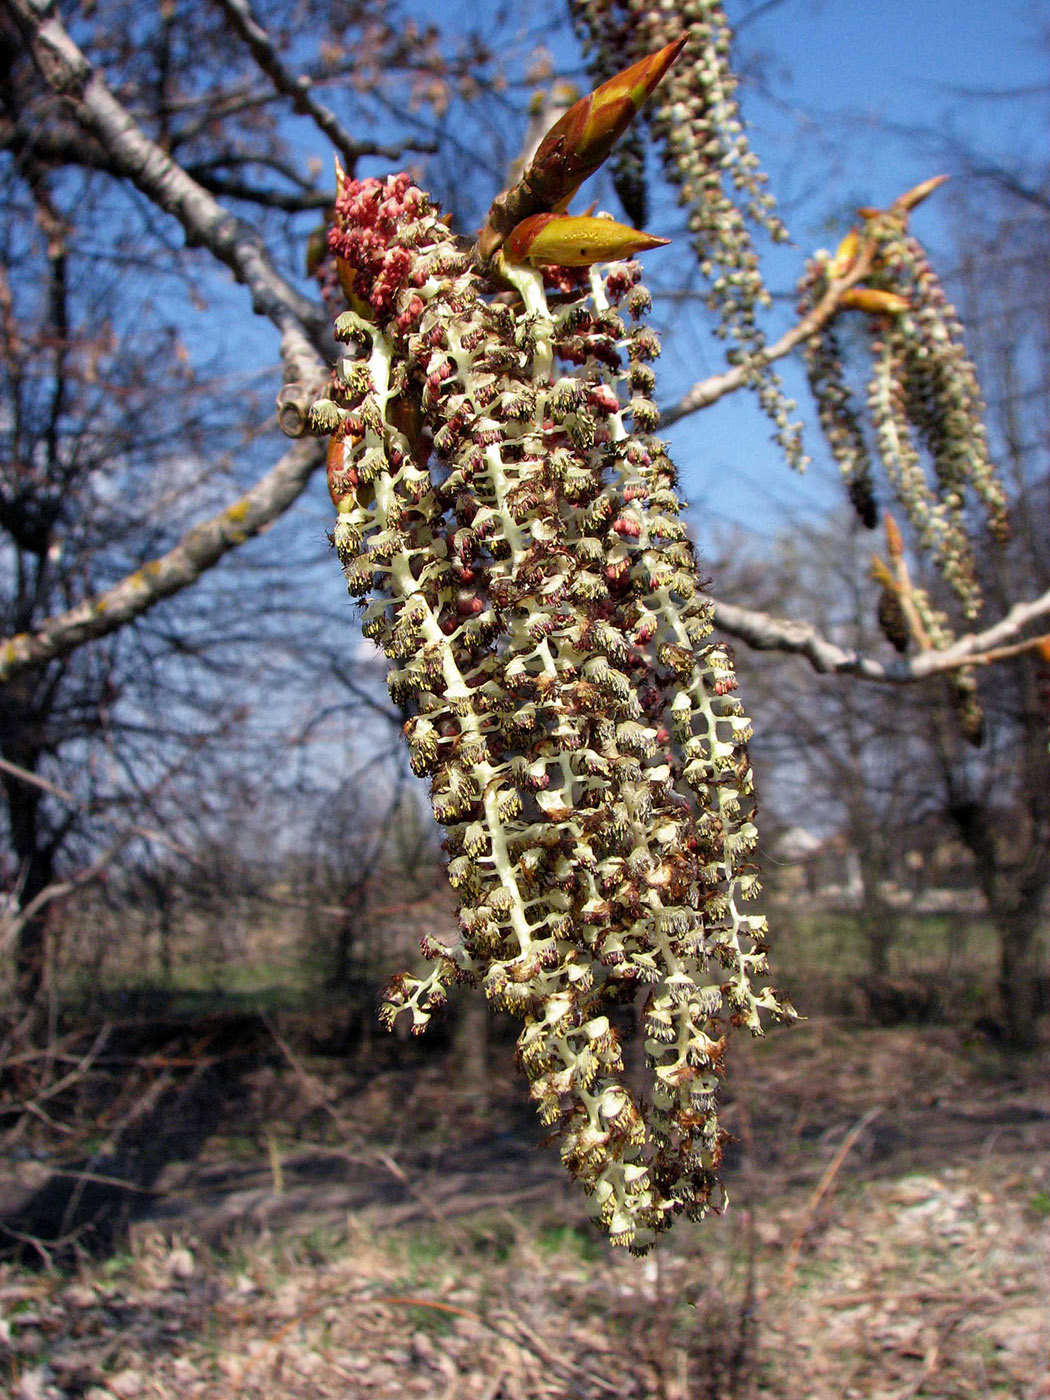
[513, 530]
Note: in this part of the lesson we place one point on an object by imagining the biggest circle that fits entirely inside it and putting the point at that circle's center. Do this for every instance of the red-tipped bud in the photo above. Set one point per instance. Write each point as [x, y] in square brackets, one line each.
[571, 240]
[579, 141]
[894, 539]
[904, 203]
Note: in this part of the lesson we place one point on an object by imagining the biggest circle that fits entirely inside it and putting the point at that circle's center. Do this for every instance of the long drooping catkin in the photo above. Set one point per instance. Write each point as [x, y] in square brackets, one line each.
[514, 530]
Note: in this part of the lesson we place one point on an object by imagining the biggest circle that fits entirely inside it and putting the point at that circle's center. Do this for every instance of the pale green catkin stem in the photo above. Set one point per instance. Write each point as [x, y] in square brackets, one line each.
[544, 616]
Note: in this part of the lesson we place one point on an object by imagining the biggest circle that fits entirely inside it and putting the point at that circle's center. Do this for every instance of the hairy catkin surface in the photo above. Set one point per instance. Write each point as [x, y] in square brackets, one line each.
[514, 530]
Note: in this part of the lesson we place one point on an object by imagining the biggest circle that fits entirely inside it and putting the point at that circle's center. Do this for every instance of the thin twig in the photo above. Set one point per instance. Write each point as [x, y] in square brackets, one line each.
[384, 1159]
[708, 391]
[929, 1361]
[200, 549]
[821, 1189]
[764, 632]
[298, 88]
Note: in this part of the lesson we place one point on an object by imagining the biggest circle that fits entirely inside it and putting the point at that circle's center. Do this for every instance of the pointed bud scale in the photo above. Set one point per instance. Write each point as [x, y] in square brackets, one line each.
[845, 253]
[579, 141]
[874, 302]
[568, 240]
[342, 477]
[880, 573]
[575, 147]
[894, 539]
[904, 203]
[348, 283]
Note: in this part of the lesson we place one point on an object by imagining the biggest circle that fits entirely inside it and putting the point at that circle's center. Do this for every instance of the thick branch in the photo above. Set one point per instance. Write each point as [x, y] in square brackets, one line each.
[133, 155]
[199, 550]
[767, 633]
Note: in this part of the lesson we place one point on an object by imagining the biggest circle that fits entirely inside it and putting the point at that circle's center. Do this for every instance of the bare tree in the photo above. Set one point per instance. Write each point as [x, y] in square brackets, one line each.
[175, 129]
[132, 463]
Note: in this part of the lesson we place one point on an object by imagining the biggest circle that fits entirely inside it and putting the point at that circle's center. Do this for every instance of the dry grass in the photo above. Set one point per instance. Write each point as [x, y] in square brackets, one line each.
[878, 1255]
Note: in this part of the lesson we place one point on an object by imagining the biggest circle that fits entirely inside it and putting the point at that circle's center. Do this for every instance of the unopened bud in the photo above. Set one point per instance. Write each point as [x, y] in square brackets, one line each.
[567, 240]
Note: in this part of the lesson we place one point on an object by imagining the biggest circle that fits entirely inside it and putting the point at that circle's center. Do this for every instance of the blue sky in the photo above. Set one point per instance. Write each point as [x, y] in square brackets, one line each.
[854, 103]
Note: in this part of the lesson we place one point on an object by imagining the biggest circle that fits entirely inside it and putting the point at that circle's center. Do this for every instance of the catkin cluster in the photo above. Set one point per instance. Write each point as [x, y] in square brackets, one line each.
[923, 398]
[513, 530]
[706, 153]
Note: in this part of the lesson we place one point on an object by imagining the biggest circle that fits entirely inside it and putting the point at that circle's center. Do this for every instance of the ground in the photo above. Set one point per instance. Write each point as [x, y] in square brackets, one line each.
[383, 1234]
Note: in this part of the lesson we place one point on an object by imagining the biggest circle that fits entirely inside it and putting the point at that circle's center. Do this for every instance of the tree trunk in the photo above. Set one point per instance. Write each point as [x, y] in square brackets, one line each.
[471, 1053]
[1020, 984]
[34, 874]
[879, 928]
[1014, 902]
[878, 922]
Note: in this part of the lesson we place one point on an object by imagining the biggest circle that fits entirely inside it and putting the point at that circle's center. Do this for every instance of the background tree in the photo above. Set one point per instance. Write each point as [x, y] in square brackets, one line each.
[999, 796]
[848, 762]
[172, 135]
[111, 483]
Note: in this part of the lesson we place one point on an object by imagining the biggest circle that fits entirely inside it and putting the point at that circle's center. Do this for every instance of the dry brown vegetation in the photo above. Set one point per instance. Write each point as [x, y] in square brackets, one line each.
[344, 1226]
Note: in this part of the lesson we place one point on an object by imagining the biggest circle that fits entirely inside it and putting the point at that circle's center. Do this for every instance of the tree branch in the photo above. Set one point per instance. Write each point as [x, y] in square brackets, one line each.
[199, 550]
[134, 156]
[764, 632]
[290, 201]
[298, 89]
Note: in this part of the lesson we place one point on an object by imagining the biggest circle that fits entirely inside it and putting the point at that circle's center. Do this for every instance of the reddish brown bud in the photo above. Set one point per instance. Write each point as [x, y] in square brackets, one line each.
[342, 478]
[579, 141]
[894, 539]
[907, 201]
[576, 146]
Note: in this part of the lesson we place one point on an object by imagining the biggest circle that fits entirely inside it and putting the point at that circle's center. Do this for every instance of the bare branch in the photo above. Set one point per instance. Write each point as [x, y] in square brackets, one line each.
[153, 171]
[199, 550]
[12, 921]
[290, 201]
[764, 632]
[238, 12]
[15, 918]
[148, 833]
